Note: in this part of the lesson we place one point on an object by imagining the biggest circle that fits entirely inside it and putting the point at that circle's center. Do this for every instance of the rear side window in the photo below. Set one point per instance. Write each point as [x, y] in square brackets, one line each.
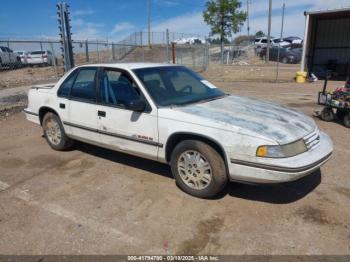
[65, 88]
[84, 87]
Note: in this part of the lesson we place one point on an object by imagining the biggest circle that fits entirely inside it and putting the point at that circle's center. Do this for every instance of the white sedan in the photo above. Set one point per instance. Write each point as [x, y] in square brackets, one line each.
[40, 58]
[170, 114]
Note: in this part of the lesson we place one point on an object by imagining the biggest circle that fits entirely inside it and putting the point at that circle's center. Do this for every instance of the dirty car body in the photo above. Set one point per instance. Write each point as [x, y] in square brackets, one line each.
[177, 117]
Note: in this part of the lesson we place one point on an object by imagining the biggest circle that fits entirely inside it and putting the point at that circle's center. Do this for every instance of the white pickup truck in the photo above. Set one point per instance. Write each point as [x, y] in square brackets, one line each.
[170, 114]
[9, 58]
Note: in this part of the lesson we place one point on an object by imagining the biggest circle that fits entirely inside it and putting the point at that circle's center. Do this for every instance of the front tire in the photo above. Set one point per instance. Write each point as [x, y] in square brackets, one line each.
[54, 132]
[199, 170]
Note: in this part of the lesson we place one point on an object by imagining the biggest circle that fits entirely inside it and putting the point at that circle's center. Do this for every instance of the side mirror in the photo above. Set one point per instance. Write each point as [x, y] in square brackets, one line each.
[138, 105]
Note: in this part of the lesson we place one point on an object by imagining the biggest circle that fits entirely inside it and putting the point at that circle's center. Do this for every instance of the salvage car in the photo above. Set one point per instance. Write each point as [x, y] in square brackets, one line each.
[45, 58]
[286, 55]
[170, 114]
[9, 58]
[261, 42]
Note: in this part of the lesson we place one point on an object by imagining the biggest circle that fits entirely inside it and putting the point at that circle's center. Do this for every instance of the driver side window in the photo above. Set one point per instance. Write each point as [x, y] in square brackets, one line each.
[116, 88]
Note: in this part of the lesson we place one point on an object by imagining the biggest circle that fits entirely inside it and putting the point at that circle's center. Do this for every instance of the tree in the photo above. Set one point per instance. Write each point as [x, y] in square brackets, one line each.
[260, 34]
[224, 18]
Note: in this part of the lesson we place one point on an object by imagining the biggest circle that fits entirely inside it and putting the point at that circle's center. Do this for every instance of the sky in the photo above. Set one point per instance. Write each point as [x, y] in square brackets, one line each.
[116, 19]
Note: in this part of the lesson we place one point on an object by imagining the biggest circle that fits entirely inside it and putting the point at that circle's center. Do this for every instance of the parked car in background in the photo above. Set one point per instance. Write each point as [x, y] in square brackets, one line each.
[262, 42]
[40, 58]
[189, 41]
[8, 58]
[23, 55]
[295, 42]
[170, 114]
[286, 55]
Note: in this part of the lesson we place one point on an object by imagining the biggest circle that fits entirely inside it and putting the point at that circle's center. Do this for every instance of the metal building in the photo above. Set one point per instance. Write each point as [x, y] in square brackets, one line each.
[327, 43]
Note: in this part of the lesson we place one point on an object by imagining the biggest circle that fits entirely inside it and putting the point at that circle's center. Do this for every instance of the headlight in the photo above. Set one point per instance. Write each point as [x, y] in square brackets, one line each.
[280, 151]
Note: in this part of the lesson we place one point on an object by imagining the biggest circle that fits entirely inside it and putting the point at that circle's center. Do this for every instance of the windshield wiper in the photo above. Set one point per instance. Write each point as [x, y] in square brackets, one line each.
[197, 101]
[211, 98]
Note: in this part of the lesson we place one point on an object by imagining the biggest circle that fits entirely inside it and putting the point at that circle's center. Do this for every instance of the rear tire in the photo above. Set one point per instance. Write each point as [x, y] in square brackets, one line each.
[54, 133]
[199, 169]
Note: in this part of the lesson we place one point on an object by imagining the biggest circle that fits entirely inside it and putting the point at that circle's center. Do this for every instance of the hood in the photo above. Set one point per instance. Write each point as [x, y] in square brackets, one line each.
[279, 123]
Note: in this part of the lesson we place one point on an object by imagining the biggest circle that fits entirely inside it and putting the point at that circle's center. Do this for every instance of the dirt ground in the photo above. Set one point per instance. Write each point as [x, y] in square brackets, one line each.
[95, 201]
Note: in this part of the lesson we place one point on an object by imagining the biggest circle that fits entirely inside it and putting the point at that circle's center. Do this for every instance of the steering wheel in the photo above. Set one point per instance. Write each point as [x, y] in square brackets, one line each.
[186, 87]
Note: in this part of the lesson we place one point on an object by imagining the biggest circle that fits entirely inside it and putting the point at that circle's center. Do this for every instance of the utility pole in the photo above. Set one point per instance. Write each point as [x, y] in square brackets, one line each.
[65, 35]
[149, 21]
[248, 28]
[269, 33]
[279, 45]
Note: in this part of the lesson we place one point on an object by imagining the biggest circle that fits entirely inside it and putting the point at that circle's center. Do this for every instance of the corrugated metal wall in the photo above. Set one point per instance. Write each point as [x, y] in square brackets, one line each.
[331, 43]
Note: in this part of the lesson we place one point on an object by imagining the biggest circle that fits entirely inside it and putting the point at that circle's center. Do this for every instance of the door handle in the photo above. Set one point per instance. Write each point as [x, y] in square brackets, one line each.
[101, 113]
[63, 106]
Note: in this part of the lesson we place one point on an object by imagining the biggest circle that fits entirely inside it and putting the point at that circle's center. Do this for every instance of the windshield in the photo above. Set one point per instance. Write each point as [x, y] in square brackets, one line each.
[176, 85]
[278, 40]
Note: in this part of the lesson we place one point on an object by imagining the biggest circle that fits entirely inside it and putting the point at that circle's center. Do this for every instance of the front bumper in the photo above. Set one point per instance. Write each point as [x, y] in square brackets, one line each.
[279, 170]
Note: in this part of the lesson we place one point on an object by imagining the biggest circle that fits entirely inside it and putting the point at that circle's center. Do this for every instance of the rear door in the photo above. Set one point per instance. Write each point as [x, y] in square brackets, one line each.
[121, 128]
[82, 110]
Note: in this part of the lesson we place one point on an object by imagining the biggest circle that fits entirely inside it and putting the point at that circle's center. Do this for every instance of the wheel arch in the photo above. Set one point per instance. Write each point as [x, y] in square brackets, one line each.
[43, 110]
[178, 137]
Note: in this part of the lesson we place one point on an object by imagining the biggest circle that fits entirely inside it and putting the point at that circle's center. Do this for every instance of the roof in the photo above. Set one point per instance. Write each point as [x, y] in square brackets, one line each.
[328, 11]
[131, 65]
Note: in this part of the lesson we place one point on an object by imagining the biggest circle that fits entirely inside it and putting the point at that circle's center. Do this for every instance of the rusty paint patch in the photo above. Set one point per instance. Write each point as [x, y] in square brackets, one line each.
[274, 121]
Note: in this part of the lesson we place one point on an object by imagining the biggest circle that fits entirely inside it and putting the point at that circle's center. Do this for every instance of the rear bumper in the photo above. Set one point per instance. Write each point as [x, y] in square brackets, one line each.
[32, 116]
[282, 170]
[35, 61]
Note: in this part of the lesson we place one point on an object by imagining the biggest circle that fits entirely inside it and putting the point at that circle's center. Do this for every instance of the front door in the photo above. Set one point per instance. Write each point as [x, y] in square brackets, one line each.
[121, 128]
[82, 109]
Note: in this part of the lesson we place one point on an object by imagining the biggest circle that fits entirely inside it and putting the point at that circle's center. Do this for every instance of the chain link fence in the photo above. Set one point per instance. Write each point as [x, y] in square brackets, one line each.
[32, 61]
